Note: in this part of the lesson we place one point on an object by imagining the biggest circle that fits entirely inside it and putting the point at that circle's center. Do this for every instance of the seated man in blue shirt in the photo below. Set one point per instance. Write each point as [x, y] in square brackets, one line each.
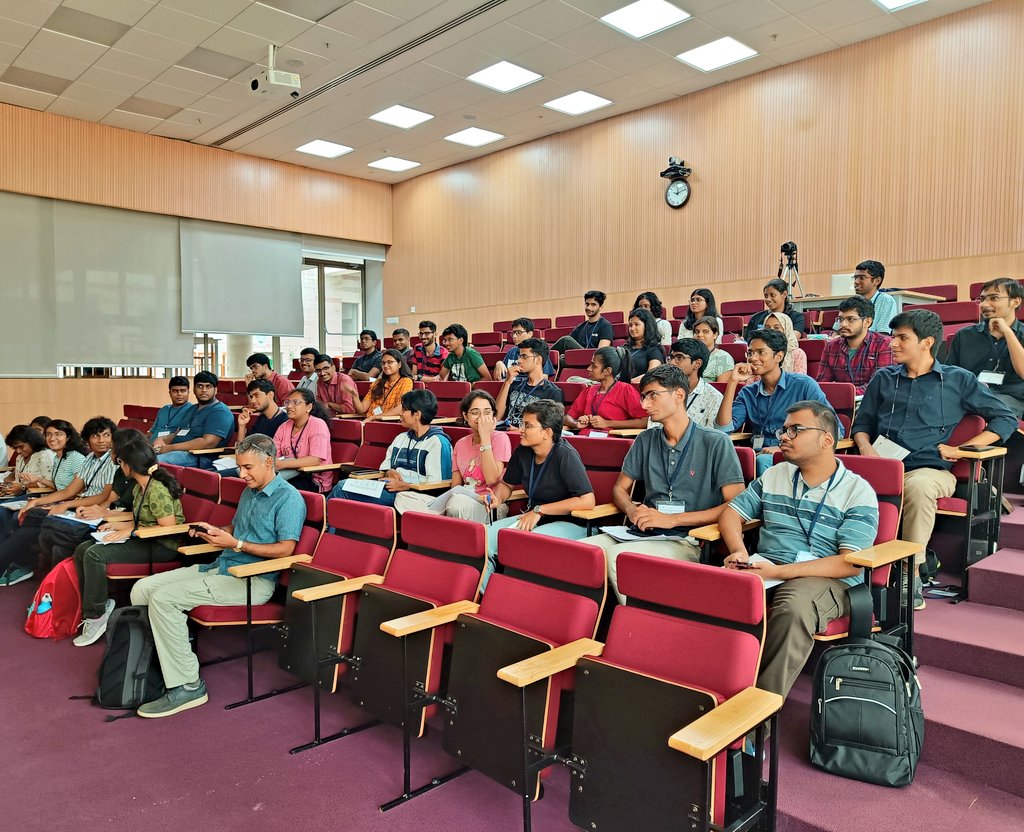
[174, 416]
[815, 511]
[208, 425]
[909, 412]
[267, 525]
[762, 405]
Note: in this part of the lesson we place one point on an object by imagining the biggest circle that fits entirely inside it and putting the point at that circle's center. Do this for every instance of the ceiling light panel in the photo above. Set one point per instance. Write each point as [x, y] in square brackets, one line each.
[474, 137]
[504, 77]
[577, 103]
[399, 116]
[715, 55]
[393, 163]
[328, 150]
[896, 5]
[645, 17]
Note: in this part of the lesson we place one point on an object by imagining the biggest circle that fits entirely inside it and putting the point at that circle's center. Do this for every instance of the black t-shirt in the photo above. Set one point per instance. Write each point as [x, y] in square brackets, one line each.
[639, 358]
[521, 393]
[122, 487]
[561, 476]
[268, 427]
[588, 335]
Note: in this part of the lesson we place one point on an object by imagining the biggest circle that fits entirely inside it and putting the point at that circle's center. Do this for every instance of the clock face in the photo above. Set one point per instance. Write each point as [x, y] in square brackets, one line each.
[677, 192]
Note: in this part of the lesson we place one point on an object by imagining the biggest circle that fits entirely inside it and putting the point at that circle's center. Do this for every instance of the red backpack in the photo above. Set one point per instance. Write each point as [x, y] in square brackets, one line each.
[56, 609]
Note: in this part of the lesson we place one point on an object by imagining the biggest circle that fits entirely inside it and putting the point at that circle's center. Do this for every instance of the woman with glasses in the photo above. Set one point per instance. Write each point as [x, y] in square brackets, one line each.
[776, 299]
[551, 473]
[304, 440]
[155, 501]
[478, 462]
[384, 398]
[702, 305]
[643, 346]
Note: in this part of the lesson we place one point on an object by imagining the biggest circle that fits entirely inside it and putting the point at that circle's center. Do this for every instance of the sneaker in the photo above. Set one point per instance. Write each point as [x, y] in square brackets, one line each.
[919, 602]
[94, 628]
[17, 574]
[174, 701]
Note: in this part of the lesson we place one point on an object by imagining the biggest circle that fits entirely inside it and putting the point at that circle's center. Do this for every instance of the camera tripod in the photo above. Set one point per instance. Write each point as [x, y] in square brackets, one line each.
[790, 273]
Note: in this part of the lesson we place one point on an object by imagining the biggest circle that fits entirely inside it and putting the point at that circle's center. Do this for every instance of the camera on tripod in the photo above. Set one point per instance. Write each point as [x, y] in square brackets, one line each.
[790, 272]
[788, 249]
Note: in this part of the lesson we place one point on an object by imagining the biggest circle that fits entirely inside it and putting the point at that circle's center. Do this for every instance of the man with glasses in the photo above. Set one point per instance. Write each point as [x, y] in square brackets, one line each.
[209, 426]
[814, 512]
[522, 329]
[366, 367]
[336, 390]
[307, 363]
[762, 405]
[994, 349]
[867, 282]
[703, 400]
[689, 473]
[260, 367]
[858, 352]
[427, 355]
[526, 382]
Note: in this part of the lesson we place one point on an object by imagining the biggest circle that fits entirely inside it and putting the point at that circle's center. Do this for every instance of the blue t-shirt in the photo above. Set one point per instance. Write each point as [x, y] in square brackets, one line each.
[214, 418]
[171, 419]
[512, 357]
[766, 414]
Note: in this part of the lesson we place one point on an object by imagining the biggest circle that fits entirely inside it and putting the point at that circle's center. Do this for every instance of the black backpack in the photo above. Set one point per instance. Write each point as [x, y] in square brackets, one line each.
[866, 716]
[129, 674]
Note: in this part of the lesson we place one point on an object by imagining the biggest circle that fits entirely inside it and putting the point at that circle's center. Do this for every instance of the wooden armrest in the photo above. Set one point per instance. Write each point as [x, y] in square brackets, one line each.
[517, 494]
[843, 444]
[597, 512]
[740, 436]
[262, 567]
[234, 407]
[990, 453]
[428, 619]
[336, 588]
[5, 468]
[348, 415]
[711, 533]
[366, 475]
[330, 466]
[720, 727]
[888, 552]
[161, 531]
[39, 489]
[440, 485]
[198, 549]
[549, 663]
[118, 517]
[209, 451]
[626, 431]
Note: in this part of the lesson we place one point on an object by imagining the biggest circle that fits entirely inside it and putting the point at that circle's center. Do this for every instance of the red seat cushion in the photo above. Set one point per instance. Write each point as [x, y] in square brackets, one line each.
[270, 613]
[139, 570]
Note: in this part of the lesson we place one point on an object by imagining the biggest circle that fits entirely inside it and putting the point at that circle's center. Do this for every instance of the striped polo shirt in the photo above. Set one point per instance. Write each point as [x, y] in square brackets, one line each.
[97, 473]
[848, 518]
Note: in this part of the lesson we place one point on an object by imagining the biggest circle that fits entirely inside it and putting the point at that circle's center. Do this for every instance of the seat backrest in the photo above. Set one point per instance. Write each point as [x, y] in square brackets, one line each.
[447, 539]
[578, 359]
[456, 432]
[430, 578]
[947, 291]
[570, 391]
[738, 351]
[487, 339]
[569, 321]
[501, 326]
[747, 463]
[346, 437]
[742, 308]
[689, 623]
[313, 525]
[541, 323]
[958, 312]
[362, 541]
[449, 391]
[377, 437]
[550, 587]
[615, 317]
[201, 493]
[828, 320]
[885, 476]
[841, 395]
[488, 386]
[732, 324]
[602, 457]
[136, 412]
[969, 427]
[363, 387]
[556, 332]
[975, 289]
[812, 347]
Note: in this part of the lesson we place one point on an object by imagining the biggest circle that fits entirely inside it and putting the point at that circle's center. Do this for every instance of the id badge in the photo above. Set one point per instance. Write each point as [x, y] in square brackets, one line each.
[598, 434]
[183, 432]
[757, 442]
[670, 506]
[990, 377]
[378, 410]
[163, 433]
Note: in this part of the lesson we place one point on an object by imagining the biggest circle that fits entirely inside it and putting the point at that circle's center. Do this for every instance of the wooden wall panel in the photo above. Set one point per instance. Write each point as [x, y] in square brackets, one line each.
[74, 399]
[905, 149]
[79, 161]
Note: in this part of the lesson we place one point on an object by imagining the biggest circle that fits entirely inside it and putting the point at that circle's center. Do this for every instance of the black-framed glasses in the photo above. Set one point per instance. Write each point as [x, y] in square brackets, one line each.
[990, 298]
[849, 320]
[792, 431]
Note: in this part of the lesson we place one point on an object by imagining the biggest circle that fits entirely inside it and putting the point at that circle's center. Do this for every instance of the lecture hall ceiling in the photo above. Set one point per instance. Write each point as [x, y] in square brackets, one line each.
[182, 68]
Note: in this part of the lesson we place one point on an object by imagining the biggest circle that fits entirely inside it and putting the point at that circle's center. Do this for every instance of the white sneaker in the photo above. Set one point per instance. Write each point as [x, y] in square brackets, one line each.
[94, 628]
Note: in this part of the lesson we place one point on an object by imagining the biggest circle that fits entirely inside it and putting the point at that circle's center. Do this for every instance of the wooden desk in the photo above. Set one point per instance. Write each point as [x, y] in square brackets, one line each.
[903, 297]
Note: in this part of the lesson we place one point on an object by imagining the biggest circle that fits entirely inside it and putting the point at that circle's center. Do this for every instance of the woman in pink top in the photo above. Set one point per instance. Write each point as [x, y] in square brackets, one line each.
[478, 462]
[304, 440]
[609, 404]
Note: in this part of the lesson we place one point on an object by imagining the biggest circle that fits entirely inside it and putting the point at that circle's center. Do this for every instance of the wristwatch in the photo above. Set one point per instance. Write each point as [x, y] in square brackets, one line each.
[539, 509]
[239, 545]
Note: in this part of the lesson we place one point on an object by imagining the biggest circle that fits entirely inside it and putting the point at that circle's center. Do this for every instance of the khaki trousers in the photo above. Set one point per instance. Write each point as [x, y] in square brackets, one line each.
[680, 549]
[921, 488]
[800, 608]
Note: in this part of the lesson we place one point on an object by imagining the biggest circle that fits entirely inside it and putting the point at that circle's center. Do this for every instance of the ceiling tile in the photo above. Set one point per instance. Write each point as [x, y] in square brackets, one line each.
[311, 10]
[328, 43]
[130, 121]
[213, 63]
[503, 40]
[49, 64]
[220, 11]
[405, 9]
[425, 77]
[835, 14]
[8, 52]
[217, 106]
[548, 58]
[932, 9]
[154, 46]
[743, 14]
[187, 79]
[620, 89]
[687, 35]
[15, 33]
[128, 12]
[865, 30]
[239, 44]
[798, 51]
[664, 73]
[88, 27]
[551, 18]
[22, 97]
[145, 107]
[32, 12]
[128, 64]
[630, 57]
[173, 130]
[177, 25]
[64, 106]
[439, 104]
[88, 94]
[585, 72]
[167, 95]
[598, 8]
[797, 6]
[270, 24]
[34, 80]
[65, 46]
[593, 39]
[461, 60]
[777, 34]
[195, 118]
[362, 21]
[117, 82]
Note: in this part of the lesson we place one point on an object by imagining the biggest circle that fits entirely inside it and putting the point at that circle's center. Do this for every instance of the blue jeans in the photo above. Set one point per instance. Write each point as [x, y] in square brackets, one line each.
[764, 461]
[560, 528]
[387, 498]
[185, 459]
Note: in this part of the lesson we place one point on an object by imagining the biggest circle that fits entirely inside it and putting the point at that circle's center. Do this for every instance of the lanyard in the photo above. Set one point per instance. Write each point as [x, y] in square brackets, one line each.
[998, 351]
[598, 400]
[851, 368]
[137, 511]
[687, 443]
[764, 420]
[96, 472]
[817, 511]
[56, 468]
[387, 390]
[590, 333]
[530, 489]
[297, 442]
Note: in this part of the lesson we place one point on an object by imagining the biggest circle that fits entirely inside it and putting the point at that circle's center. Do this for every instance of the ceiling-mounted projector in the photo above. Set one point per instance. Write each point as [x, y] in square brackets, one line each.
[270, 81]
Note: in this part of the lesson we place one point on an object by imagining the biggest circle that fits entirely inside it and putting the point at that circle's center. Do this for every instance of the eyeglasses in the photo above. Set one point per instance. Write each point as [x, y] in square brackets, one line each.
[862, 277]
[849, 320]
[323, 371]
[478, 413]
[524, 356]
[791, 431]
[991, 298]
[524, 426]
[425, 333]
[678, 356]
[293, 402]
[651, 395]
[519, 332]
